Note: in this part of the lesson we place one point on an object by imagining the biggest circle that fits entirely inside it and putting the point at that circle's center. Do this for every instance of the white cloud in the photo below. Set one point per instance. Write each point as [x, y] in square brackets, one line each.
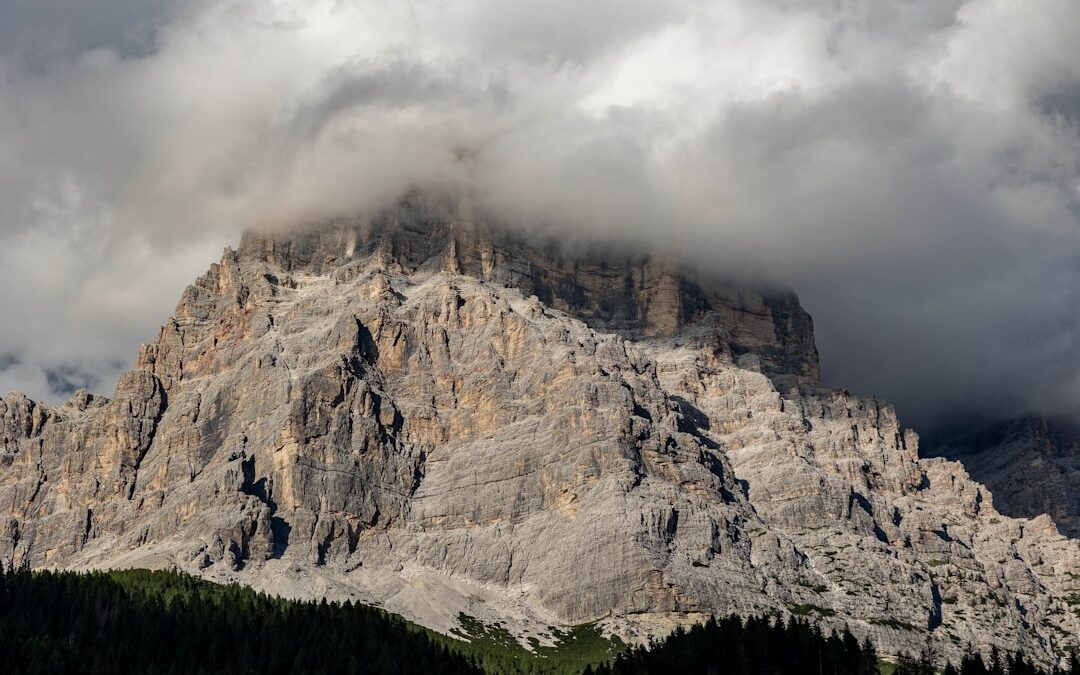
[910, 167]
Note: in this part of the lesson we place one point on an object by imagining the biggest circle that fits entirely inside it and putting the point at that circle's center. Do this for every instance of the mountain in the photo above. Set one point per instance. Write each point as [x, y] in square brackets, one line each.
[426, 411]
[1032, 465]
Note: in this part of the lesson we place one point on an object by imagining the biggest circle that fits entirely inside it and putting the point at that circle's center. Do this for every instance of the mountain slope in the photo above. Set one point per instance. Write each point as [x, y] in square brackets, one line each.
[1032, 465]
[369, 411]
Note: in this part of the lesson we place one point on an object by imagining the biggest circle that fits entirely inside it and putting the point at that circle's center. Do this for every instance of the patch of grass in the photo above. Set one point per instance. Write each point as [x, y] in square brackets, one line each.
[810, 608]
[817, 588]
[894, 623]
[498, 651]
[478, 633]
[886, 668]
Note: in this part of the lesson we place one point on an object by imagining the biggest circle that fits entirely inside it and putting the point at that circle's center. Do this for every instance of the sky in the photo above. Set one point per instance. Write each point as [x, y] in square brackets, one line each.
[910, 168]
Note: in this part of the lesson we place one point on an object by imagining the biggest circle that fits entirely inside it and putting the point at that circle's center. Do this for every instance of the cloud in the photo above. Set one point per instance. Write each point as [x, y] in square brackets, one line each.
[912, 170]
[40, 32]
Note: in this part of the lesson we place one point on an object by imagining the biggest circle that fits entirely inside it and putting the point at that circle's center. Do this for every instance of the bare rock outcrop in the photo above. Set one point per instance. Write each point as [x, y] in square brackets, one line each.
[613, 289]
[1032, 466]
[440, 418]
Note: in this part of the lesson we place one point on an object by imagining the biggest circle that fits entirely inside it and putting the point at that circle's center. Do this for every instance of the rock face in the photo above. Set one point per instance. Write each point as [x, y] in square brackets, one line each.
[611, 290]
[434, 415]
[1032, 466]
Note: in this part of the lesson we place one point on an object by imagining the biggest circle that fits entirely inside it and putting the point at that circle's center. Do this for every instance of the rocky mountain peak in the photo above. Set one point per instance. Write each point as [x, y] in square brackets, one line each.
[441, 417]
[611, 287]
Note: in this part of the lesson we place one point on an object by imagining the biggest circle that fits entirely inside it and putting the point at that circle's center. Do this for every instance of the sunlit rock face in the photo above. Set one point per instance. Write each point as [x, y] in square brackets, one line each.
[611, 288]
[434, 414]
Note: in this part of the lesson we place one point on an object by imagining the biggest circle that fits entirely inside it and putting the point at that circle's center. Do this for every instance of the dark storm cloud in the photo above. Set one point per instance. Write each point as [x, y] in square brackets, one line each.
[911, 169]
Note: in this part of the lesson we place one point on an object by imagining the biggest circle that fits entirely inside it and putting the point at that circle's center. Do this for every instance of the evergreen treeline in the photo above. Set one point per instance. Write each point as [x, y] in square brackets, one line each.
[762, 646]
[751, 647]
[161, 623]
[973, 664]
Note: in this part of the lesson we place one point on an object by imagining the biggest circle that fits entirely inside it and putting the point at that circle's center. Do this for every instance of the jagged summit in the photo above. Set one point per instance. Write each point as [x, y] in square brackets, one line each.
[419, 414]
[612, 288]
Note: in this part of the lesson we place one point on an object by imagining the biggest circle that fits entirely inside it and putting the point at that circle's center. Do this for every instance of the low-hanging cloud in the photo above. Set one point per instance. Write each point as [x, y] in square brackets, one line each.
[912, 169]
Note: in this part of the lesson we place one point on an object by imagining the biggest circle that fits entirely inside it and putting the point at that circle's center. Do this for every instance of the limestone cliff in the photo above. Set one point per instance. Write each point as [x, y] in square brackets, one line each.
[611, 288]
[1032, 466]
[440, 418]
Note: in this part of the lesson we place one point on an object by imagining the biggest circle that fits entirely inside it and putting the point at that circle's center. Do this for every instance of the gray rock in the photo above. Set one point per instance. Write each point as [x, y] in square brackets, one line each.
[382, 413]
[1032, 466]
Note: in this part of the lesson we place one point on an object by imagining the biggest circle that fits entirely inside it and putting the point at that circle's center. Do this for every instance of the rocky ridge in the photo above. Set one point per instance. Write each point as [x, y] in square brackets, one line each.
[1032, 465]
[425, 413]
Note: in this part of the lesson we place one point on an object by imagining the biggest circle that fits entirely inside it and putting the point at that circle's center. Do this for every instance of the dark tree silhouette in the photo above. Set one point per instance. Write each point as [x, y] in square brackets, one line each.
[163, 623]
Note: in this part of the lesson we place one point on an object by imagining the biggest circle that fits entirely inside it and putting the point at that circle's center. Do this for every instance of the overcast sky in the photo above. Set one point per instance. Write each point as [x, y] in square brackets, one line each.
[911, 168]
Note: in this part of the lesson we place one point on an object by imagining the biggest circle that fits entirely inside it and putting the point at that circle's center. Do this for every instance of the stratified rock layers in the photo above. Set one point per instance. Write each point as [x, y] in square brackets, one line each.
[1032, 466]
[425, 414]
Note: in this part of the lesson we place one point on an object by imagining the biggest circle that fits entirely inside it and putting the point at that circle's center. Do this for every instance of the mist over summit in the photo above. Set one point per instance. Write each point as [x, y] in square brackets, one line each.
[428, 411]
[910, 172]
[552, 323]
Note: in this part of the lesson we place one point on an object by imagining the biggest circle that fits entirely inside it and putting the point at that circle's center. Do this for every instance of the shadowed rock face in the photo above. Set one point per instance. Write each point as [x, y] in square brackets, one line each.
[1031, 465]
[423, 413]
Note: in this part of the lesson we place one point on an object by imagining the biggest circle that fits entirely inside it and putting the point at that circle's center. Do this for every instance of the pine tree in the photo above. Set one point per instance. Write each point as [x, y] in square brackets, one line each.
[972, 663]
[997, 667]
